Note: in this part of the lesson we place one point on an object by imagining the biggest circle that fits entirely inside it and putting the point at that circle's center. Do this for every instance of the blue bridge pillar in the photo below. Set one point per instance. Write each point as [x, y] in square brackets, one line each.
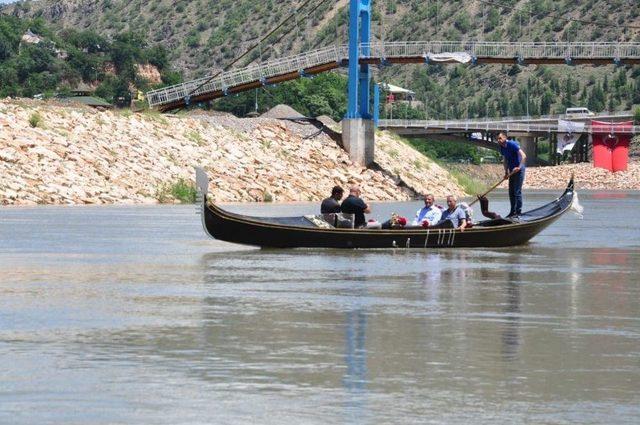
[357, 126]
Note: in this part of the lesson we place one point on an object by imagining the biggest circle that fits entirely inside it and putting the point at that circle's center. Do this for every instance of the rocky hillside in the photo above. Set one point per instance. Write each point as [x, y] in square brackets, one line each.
[53, 154]
[202, 36]
[205, 34]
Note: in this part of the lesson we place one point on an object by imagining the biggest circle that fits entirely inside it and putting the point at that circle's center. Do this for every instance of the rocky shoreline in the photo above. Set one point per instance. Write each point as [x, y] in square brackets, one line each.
[60, 154]
[586, 176]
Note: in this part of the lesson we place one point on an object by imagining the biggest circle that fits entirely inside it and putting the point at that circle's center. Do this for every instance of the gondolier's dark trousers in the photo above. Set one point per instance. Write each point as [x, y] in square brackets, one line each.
[515, 192]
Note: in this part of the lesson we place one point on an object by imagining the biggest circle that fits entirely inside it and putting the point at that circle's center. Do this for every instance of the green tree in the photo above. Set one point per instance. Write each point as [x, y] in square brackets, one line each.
[158, 57]
[545, 103]
[10, 30]
[126, 51]
[318, 105]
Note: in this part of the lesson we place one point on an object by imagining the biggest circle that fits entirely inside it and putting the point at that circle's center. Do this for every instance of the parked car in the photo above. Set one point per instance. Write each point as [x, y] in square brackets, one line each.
[578, 113]
[489, 160]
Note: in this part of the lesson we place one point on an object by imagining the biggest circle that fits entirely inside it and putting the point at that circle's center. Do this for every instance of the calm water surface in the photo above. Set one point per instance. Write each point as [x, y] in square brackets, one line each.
[120, 315]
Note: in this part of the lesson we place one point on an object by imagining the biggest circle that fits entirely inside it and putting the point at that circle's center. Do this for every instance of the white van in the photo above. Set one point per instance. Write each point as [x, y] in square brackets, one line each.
[578, 112]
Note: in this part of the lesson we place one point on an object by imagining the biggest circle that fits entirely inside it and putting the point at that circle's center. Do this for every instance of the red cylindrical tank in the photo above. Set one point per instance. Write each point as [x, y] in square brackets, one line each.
[601, 153]
[620, 154]
[611, 145]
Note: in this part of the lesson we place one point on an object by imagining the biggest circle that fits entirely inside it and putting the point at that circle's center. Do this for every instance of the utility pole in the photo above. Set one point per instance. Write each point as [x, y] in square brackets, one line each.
[528, 98]
[256, 105]
[484, 8]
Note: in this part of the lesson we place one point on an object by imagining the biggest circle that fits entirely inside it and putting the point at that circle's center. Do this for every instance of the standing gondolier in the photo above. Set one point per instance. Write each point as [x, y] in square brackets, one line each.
[514, 170]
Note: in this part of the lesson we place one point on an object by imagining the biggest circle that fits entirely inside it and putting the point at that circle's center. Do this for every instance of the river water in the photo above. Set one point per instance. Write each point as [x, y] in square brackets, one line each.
[121, 315]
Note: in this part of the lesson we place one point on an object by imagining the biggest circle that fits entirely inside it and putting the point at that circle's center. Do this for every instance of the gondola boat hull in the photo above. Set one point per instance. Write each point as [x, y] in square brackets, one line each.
[299, 232]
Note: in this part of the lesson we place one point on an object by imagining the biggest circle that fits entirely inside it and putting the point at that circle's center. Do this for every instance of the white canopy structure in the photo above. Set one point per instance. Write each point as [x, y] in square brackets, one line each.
[390, 88]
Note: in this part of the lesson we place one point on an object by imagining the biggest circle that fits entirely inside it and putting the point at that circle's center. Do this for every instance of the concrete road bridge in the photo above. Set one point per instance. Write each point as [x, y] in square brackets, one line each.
[482, 132]
[540, 119]
[521, 126]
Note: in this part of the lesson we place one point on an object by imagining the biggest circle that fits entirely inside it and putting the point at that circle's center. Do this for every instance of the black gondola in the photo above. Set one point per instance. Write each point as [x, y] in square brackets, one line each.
[312, 232]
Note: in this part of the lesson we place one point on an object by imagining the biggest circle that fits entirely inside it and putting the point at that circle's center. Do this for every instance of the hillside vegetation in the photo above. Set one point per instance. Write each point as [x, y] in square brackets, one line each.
[203, 36]
[36, 59]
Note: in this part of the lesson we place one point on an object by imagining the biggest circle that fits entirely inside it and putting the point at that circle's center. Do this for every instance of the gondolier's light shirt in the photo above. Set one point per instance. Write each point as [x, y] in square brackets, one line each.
[432, 214]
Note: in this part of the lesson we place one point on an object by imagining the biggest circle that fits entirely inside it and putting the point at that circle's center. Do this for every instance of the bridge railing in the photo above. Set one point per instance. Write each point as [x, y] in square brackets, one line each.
[246, 75]
[587, 50]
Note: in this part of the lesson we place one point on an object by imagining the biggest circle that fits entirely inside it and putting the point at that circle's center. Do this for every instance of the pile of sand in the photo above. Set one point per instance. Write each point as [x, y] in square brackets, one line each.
[281, 112]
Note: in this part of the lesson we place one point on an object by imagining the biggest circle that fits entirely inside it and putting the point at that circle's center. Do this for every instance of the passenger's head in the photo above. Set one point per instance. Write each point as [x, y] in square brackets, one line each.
[428, 200]
[502, 139]
[451, 201]
[355, 190]
[337, 192]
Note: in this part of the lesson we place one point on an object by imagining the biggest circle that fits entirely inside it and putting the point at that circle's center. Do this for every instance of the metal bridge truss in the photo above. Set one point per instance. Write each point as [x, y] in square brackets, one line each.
[382, 54]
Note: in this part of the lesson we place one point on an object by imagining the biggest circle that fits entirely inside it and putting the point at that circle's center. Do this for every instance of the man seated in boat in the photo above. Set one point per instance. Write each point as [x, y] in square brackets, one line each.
[468, 212]
[356, 206]
[332, 203]
[429, 214]
[454, 214]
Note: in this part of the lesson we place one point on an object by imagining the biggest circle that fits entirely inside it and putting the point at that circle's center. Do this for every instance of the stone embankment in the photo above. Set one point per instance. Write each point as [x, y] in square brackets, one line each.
[54, 154]
[586, 177]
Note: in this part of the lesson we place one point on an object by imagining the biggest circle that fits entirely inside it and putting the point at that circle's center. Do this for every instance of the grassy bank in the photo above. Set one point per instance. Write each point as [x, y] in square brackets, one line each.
[470, 182]
[182, 190]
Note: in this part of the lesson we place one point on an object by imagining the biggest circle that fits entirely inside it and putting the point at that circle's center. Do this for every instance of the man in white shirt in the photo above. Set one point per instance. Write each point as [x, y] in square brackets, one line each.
[430, 213]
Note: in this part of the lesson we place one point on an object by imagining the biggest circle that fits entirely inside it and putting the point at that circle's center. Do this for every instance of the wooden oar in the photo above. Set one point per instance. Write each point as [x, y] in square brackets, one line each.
[492, 188]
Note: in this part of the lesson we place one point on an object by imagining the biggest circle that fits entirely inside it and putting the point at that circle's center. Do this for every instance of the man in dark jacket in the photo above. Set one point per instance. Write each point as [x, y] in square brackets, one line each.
[332, 203]
[356, 206]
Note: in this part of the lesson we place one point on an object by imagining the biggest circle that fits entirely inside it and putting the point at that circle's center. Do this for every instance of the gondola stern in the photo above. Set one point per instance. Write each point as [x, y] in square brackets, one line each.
[202, 191]
[570, 191]
[570, 185]
[202, 182]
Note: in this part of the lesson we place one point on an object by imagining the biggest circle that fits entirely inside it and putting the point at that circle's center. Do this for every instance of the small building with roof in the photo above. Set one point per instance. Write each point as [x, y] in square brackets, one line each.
[397, 94]
[83, 94]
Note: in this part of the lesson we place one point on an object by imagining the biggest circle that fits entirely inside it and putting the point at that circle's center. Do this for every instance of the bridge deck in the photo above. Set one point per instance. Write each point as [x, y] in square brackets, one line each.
[322, 60]
[540, 119]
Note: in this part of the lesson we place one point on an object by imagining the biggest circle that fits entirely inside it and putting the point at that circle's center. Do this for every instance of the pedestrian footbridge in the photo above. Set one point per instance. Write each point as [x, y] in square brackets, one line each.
[388, 53]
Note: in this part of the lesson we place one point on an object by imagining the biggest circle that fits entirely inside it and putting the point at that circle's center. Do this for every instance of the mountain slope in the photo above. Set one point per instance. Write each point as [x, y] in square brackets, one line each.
[203, 36]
